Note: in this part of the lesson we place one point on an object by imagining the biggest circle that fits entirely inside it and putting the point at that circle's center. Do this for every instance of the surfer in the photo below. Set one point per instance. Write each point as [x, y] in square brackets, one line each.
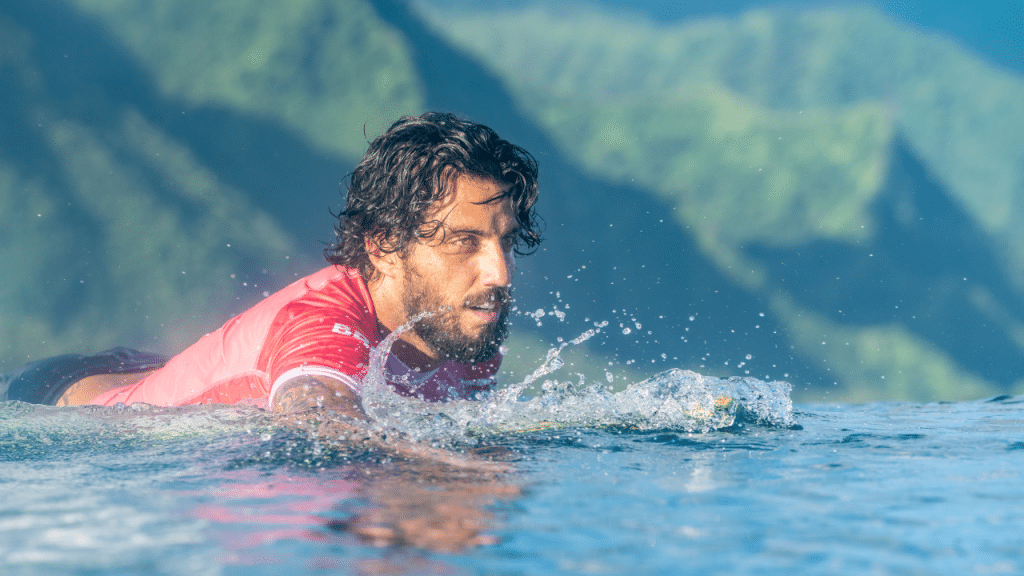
[435, 212]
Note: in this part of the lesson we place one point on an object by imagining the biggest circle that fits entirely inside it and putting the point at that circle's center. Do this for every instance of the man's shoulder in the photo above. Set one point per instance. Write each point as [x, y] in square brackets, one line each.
[328, 286]
[335, 297]
[330, 277]
[334, 288]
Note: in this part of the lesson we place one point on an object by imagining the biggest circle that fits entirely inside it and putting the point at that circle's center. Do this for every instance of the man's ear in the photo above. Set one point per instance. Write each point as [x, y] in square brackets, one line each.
[386, 263]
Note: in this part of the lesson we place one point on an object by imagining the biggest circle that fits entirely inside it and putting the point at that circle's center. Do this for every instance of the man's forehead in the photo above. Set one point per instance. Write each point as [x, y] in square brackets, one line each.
[479, 188]
[468, 192]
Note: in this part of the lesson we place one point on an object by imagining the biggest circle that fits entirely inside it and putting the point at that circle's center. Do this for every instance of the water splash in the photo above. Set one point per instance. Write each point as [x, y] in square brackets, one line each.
[674, 399]
[377, 395]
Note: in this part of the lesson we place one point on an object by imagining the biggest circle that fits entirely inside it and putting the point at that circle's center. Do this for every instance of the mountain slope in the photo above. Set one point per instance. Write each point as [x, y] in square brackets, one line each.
[135, 211]
[165, 164]
[779, 132]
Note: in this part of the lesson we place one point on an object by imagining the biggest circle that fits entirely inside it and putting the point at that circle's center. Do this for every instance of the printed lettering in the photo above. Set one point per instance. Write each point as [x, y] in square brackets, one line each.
[344, 330]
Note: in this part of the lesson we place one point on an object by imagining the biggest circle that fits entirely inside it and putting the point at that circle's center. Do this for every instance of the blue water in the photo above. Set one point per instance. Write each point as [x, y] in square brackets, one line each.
[889, 488]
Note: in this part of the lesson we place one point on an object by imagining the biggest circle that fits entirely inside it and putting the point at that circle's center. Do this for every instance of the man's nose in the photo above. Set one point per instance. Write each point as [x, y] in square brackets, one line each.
[496, 266]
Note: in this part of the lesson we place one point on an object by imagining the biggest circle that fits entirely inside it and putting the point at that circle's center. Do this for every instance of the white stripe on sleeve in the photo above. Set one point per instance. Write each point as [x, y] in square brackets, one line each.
[314, 371]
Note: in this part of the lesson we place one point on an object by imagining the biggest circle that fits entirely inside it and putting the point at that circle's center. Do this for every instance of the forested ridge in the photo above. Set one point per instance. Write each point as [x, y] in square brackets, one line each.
[821, 196]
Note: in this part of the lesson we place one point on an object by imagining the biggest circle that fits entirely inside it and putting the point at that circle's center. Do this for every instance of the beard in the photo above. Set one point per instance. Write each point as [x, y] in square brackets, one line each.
[441, 328]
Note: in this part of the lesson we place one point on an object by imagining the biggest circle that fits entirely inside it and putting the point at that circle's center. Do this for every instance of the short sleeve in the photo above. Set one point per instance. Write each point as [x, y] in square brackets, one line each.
[327, 333]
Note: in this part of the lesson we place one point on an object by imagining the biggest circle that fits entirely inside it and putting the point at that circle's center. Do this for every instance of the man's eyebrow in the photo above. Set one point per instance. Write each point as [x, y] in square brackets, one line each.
[514, 231]
[465, 230]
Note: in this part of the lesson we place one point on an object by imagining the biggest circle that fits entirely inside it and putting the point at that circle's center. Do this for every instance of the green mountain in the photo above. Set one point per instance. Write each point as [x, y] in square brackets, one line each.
[959, 114]
[816, 156]
[157, 175]
[327, 70]
[762, 195]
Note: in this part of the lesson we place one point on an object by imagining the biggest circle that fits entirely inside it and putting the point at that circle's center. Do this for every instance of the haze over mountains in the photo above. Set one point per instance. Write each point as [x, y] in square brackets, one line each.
[824, 196]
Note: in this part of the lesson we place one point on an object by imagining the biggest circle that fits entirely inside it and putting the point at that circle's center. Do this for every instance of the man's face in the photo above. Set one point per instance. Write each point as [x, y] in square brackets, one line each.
[463, 274]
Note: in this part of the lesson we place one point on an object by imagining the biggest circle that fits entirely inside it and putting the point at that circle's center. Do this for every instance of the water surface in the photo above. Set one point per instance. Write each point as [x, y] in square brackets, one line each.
[889, 488]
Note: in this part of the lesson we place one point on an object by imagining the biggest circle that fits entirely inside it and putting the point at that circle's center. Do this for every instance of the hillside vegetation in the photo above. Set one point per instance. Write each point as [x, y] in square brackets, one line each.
[777, 129]
[137, 177]
[324, 69]
[962, 115]
[815, 195]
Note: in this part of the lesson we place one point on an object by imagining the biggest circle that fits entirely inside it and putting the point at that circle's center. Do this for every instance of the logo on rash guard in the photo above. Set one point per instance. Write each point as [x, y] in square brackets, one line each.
[344, 330]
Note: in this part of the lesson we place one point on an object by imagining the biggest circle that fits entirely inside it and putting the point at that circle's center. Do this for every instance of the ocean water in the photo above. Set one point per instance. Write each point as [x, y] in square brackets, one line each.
[680, 474]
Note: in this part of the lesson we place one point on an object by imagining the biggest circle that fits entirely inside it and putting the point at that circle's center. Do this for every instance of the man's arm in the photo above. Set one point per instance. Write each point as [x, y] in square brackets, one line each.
[312, 403]
[307, 391]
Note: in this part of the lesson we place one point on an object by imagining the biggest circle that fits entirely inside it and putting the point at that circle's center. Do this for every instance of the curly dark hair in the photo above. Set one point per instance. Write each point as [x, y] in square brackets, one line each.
[410, 168]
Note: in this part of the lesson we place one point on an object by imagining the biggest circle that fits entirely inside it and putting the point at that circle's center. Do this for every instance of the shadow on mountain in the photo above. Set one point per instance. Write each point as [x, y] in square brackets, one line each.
[928, 267]
[72, 69]
[611, 252]
[87, 77]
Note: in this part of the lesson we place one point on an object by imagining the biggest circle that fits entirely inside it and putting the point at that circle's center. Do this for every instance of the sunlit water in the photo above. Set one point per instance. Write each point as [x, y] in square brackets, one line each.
[678, 474]
[882, 488]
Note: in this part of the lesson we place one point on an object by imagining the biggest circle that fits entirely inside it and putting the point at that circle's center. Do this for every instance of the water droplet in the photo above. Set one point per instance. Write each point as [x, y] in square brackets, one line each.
[626, 330]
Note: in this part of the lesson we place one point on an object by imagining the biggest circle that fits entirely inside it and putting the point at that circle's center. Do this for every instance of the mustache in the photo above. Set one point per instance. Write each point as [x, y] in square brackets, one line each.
[498, 295]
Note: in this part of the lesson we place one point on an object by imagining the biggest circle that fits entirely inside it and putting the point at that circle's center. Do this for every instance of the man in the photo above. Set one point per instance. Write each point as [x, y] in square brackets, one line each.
[435, 211]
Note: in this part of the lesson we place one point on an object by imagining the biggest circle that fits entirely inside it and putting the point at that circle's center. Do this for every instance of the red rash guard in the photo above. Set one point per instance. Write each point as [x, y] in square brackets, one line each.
[323, 324]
